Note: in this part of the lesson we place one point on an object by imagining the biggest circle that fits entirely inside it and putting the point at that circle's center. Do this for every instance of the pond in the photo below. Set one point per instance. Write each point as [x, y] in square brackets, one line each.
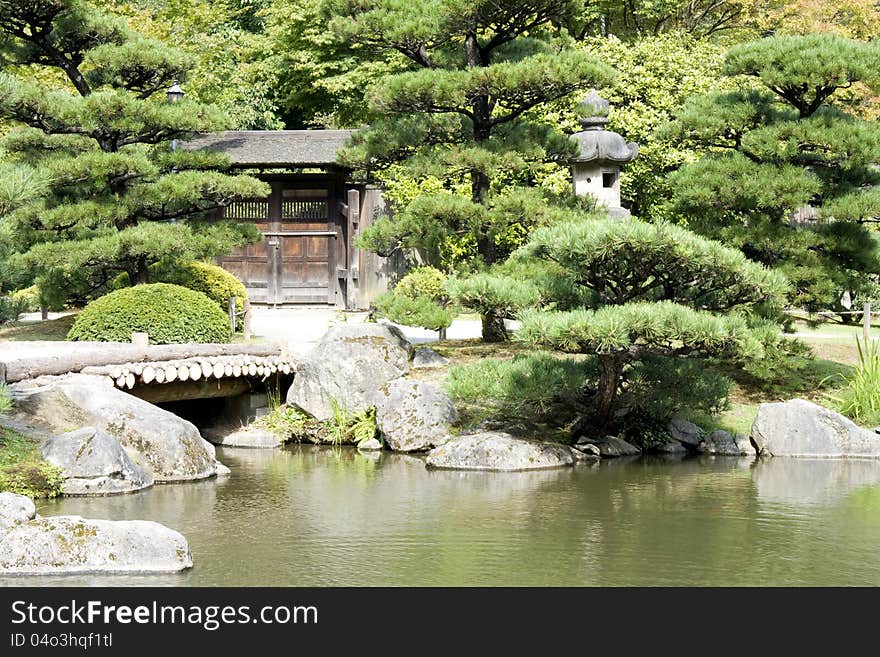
[311, 516]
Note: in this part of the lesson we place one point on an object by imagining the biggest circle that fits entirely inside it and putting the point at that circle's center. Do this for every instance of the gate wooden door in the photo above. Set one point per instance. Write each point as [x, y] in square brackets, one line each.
[296, 263]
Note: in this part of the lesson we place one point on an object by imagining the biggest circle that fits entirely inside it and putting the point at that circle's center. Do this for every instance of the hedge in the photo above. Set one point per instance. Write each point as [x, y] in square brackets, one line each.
[169, 313]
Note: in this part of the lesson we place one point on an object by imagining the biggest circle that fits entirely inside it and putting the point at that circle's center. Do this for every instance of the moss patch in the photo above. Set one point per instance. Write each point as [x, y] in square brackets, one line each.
[23, 470]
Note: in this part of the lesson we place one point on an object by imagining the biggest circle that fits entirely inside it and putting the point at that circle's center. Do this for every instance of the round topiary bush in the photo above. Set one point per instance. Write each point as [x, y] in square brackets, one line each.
[214, 282]
[169, 313]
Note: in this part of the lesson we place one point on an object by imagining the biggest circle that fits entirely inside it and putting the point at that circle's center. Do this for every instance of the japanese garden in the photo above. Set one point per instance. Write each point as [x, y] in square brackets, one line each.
[362, 292]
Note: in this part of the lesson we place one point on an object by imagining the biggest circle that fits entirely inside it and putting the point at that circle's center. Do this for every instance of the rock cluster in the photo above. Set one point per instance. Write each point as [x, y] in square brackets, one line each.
[107, 441]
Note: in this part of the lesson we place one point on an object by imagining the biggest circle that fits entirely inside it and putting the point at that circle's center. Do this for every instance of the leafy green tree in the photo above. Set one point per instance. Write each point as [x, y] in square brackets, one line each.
[233, 64]
[791, 179]
[698, 18]
[108, 192]
[320, 80]
[466, 109]
[652, 297]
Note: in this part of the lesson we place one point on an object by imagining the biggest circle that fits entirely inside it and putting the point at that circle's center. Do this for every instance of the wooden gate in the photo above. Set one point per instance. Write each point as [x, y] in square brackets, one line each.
[296, 263]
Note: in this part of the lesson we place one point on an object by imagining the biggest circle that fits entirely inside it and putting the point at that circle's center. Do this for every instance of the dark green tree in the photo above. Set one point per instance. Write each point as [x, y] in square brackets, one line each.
[792, 179]
[650, 298]
[109, 193]
[464, 111]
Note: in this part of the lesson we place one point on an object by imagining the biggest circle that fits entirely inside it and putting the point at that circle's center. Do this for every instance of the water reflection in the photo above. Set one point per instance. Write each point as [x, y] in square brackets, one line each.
[319, 516]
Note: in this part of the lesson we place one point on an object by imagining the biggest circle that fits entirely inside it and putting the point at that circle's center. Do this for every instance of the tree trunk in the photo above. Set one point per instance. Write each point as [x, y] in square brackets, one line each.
[494, 329]
[141, 274]
[610, 374]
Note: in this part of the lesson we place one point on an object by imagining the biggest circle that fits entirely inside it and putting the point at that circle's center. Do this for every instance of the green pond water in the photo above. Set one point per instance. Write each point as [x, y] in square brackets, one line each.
[310, 516]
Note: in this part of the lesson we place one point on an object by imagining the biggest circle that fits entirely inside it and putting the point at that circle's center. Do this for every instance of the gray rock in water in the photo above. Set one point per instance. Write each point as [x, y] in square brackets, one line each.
[93, 462]
[722, 443]
[370, 445]
[426, 358]
[609, 446]
[70, 544]
[169, 447]
[586, 452]
[494, 450]
[222, 470]
[685, 432]
[671, 447]
[801, 428]
[414, 415]
[348, 366]
[252, 437]
[14, 509]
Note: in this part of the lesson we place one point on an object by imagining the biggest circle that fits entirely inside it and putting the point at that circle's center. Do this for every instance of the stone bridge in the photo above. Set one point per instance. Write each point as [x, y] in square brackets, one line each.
[156, 373]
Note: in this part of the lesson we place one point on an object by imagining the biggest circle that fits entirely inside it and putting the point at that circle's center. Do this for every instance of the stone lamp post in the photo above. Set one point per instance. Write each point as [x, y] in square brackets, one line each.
[595, 169]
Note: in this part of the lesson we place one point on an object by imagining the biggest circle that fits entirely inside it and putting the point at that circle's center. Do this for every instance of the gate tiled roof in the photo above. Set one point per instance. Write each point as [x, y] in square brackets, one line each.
[275, 148]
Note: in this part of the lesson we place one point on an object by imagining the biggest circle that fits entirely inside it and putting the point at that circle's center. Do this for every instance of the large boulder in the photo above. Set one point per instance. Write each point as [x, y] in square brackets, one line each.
[169, 447]
[671, 447]
[608, 446]
[93, 462]
[14, 509]
[801, 428]
[722, 443]
[685, 432]
[493, 450]
[70, 544]
[414, 415]
[348, 366]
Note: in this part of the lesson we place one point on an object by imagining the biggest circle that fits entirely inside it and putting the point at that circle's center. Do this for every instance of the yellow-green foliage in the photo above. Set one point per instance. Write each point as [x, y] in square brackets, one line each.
[29, 298]
[169, 313]
[5, 403]
[423, 282]
[214, 282]
[419, 299]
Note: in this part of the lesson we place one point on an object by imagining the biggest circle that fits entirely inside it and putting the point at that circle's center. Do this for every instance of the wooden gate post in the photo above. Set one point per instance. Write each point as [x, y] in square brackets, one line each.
[232, 313]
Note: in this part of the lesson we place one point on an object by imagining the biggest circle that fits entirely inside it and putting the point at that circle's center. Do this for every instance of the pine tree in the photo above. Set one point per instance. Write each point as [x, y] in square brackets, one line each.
[645, 300]
[110, 192]
[464, 112]
[793, 179]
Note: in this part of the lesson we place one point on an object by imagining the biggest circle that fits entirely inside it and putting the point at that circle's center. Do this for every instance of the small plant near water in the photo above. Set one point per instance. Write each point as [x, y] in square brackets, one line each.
[346, 427]
[288, 422]
[860, 398]
[292, 424]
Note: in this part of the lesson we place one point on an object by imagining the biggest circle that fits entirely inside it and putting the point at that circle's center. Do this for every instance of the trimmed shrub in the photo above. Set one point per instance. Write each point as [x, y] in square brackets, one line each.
[418, 311]
[29, 298]
[423, 282]
[418, 299]
[169, 313]
[214, 282]
[10, 309]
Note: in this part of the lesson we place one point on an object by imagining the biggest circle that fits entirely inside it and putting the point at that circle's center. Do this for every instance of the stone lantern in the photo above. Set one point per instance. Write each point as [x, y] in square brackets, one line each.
[595, 169]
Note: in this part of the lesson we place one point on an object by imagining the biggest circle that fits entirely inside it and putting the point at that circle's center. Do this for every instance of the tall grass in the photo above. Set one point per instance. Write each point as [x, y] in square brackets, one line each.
[5, 402]
[860, 398]
[346, 427]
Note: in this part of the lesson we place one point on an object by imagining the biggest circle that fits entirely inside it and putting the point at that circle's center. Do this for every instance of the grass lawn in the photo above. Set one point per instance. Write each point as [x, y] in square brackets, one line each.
[52, 329]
